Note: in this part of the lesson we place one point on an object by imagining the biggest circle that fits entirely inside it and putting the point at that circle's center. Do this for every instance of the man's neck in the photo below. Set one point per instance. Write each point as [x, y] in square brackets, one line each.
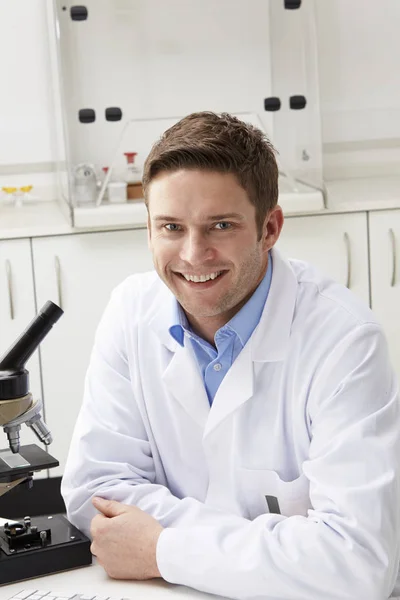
[207, 327]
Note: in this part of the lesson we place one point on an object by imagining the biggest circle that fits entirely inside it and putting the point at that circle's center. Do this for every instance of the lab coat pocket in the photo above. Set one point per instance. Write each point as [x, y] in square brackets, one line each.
[265, 492]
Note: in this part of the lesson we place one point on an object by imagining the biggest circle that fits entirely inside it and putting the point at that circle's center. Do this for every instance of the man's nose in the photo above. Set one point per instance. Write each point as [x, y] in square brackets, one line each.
[195, 248]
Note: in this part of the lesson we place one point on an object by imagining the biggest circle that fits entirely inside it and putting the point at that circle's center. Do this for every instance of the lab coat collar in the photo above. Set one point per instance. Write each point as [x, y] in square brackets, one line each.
[163, 316]
[182, 375]
[270, 340]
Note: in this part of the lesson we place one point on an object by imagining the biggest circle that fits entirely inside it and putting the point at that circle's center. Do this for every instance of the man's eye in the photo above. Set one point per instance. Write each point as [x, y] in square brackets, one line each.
[223, 225]
[172, 227]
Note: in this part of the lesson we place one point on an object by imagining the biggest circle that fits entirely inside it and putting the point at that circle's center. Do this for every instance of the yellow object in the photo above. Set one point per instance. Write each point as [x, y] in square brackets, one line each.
[26, 188]
[9, 190]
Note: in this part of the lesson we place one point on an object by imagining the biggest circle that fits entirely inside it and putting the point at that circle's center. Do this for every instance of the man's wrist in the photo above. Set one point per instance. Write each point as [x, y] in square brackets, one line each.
[156, 572]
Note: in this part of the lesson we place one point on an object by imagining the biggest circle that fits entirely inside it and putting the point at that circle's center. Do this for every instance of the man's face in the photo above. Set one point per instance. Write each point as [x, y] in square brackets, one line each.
[203, 237]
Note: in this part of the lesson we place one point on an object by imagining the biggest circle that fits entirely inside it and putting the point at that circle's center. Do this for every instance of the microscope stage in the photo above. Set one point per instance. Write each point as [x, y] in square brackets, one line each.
[30, 458]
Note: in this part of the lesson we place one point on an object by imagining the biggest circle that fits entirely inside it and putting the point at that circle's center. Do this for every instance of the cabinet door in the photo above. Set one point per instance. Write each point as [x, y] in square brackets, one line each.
[336, 244]
[385, 276]
[78, 273]
[17, 309]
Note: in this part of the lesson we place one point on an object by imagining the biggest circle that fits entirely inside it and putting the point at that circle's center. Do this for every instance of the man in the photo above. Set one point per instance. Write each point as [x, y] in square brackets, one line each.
[240, 430]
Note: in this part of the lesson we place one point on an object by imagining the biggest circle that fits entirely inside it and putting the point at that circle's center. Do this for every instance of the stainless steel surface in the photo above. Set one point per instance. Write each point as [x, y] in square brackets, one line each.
[57, 265]
[10, 289]
[394, 257]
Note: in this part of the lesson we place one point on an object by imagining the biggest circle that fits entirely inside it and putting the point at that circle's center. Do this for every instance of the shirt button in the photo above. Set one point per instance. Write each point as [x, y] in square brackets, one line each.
[217, 367]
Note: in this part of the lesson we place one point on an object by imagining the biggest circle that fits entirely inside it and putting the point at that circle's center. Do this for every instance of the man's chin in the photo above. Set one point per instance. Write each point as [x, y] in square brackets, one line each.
[199, 312]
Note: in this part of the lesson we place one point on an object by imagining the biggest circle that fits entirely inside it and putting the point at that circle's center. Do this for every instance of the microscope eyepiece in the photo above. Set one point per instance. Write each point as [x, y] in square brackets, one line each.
[14, 378]
[51, 311]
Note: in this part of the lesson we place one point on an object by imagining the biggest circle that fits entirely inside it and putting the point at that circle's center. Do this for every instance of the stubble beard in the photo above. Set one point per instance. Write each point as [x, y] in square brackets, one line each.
[238, 293]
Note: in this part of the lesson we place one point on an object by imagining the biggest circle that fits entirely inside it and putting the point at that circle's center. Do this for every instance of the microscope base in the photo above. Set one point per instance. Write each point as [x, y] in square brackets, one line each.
[67, 549]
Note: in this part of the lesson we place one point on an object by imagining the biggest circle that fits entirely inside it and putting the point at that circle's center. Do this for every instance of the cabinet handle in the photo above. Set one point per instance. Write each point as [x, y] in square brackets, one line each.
[394, 261]
[58, 276]
[10, 289]
[348, 254]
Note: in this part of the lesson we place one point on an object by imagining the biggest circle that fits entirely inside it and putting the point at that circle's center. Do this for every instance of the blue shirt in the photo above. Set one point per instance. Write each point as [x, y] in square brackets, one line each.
[229, 340]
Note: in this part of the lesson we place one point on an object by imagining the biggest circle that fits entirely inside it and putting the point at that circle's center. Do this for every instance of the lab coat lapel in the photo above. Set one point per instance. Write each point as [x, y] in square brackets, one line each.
[182, 376]
[236, 388]
[183, 381]
[268, 343]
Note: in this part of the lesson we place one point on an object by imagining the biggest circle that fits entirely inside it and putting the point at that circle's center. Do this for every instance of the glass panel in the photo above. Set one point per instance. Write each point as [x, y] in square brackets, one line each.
[158, 61]
[294, 72]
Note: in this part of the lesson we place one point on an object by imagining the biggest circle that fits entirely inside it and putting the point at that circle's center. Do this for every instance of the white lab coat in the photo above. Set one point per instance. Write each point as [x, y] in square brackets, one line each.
[308, 413]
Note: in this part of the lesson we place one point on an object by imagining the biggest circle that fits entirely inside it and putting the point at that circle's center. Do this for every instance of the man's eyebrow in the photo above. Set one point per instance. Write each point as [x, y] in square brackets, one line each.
[220, 217]
[165, 218]
[224, 216]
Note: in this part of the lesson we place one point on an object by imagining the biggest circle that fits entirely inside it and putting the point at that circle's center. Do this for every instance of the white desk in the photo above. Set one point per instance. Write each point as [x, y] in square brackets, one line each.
[95, 580]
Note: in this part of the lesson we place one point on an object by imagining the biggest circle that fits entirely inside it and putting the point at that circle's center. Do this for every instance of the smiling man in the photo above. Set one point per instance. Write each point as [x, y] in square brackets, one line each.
[240, 429]
[211, 262]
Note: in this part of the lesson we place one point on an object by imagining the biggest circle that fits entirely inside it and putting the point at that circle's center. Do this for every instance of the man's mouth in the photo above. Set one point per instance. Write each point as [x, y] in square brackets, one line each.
[202, 281]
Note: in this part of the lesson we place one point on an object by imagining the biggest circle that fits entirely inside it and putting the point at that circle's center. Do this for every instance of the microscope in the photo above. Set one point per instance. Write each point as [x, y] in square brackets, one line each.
[44, 544]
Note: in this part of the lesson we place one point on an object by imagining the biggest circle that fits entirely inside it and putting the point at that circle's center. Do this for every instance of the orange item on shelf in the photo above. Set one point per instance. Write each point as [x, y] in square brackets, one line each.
[135, 191]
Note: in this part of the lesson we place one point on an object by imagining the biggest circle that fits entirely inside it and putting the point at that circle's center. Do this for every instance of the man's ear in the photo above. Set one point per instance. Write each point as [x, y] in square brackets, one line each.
[272, 227]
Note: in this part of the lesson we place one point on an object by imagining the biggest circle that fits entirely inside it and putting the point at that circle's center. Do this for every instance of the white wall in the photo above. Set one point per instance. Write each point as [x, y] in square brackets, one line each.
[26, 109]
[359, 66]
[359, 69]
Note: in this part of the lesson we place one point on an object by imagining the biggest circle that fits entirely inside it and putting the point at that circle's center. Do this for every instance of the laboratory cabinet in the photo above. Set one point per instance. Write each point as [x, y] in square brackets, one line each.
[384, 229]
[336, 244]
[78, 272]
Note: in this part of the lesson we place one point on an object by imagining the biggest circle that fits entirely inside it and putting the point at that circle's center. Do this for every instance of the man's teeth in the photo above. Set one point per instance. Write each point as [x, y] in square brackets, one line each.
[202, 278]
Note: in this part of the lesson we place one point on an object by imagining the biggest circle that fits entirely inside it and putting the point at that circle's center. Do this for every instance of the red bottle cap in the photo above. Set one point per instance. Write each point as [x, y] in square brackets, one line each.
[130, 157]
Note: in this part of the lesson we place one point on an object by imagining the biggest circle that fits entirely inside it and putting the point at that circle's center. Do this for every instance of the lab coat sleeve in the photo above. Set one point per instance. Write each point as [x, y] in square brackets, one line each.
[348, 545]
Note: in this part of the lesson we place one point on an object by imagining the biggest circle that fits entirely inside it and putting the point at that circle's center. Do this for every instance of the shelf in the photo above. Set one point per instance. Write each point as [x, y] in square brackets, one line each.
[111, 215]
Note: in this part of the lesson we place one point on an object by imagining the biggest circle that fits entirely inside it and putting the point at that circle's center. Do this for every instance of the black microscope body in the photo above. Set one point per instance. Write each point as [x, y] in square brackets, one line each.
[48, 543]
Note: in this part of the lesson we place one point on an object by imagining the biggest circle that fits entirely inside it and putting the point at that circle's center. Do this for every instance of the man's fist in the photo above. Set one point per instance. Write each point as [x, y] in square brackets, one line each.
[125, 540]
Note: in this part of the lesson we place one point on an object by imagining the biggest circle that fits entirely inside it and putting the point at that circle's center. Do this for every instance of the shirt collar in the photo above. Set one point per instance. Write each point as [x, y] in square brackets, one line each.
[243, 323]
[180, 324]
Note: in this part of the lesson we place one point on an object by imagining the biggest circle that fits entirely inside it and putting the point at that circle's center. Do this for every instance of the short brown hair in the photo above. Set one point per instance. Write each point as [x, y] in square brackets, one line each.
[223, 143]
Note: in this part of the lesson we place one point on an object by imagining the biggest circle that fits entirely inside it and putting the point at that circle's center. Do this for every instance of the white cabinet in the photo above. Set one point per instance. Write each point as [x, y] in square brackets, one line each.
[78, 272]
[336, 244]
[385, 276]
[17, 309]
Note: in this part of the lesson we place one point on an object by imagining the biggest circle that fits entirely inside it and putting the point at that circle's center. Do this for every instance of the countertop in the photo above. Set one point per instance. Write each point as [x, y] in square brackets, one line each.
[45, 218]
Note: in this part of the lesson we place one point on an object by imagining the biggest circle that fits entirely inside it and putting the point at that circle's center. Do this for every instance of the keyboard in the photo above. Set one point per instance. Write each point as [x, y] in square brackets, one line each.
[46, 595]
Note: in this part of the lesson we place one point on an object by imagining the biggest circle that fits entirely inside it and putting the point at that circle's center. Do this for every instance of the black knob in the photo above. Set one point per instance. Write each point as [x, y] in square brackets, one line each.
[272, 104]
[297, 102]
[87, 115]
[113, 113]
[79, 13]
[292, 4]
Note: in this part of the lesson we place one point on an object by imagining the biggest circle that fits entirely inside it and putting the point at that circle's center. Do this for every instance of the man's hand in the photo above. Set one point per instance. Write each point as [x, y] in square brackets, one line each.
[125, 540]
